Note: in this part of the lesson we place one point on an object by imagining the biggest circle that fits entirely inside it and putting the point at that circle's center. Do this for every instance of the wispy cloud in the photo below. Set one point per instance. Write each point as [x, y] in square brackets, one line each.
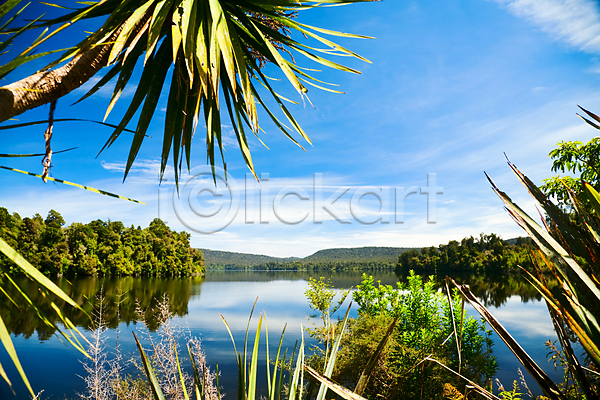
[577, 22]
[143, 167]
[142, 171]
[105, 91]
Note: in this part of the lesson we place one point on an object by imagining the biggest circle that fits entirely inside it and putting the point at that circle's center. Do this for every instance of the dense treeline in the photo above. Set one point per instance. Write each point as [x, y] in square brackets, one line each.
[488, 252]
[99, 247]
[217, 259]
[314, 266]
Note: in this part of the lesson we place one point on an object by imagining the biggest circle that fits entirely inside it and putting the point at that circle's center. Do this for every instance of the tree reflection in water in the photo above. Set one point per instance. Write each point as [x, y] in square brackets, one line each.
[122, 297]
[129, 292]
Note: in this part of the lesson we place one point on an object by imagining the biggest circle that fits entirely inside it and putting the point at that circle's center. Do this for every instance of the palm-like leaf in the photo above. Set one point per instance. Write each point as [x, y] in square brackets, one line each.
[46, 286]
[217, 48]
[571, 251]
[550, 389]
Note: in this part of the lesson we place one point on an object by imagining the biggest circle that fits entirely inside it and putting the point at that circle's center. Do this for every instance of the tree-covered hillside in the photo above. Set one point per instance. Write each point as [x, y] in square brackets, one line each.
[99, 247]
[216, 259]
[359, 254]
[488, 252]
[355, 258]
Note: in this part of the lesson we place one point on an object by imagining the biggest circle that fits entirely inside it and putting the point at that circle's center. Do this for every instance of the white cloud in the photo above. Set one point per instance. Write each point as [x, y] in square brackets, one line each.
[533, 319]
[576, 22]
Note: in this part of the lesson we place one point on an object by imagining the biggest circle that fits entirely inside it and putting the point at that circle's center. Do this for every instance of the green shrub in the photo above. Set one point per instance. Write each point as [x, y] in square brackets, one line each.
[423, 328]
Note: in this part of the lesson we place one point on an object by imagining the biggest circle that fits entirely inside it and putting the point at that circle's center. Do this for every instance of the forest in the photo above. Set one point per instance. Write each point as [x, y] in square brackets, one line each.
[98, 248]
[341, 265]
[484, 254]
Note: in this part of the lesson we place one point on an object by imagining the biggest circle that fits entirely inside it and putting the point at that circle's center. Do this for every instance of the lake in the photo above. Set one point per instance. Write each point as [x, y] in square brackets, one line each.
[56, 368]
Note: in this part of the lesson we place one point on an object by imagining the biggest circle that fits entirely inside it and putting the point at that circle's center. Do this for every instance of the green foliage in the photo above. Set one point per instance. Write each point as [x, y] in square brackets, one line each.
[340, 265]
[511, 394]
[423, 324]
[217, 259]
[320, 295]
[357, 254]
[579, 159]
[99, 248]
[215, 49]
[489, 252]
[376, 300]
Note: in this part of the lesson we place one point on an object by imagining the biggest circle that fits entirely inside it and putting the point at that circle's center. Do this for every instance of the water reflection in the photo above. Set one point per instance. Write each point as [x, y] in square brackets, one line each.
[493, 290]
[197, 304]
[125, 296]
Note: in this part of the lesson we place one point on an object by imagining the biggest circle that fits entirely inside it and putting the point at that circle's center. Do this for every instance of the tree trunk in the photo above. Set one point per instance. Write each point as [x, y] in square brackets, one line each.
[44, 87]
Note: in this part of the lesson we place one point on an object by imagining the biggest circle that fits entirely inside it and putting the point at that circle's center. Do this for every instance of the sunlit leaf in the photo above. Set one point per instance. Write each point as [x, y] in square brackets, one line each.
[127, 29]
[6, 7]
[154, 385]
[158, 19]
[91, 189]
[10, 349]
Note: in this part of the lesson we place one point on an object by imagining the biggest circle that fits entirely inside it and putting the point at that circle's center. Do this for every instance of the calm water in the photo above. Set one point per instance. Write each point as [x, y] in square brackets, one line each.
[56, 368]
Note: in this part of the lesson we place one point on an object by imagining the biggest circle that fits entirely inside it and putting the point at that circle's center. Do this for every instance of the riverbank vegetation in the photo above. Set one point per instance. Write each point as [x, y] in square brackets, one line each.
[98, 247]
[413, 342]
[328, 266]
[404, 325]
[395, 329]
[488, 253]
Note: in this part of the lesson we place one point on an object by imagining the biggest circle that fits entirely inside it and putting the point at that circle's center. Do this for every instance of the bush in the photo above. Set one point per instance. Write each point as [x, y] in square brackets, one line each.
[423, 328]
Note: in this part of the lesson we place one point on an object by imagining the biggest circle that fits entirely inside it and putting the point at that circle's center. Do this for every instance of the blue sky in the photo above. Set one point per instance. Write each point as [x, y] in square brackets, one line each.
[452, 86]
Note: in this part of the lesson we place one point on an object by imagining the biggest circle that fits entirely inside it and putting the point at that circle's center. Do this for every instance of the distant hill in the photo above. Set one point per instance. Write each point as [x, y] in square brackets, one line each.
[351, 258]
[215, 259]
[229, 259]
[519, 240]
[357, 254]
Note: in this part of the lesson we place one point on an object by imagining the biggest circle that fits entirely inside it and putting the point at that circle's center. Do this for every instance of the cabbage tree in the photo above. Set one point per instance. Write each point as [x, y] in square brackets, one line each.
[215, 48]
